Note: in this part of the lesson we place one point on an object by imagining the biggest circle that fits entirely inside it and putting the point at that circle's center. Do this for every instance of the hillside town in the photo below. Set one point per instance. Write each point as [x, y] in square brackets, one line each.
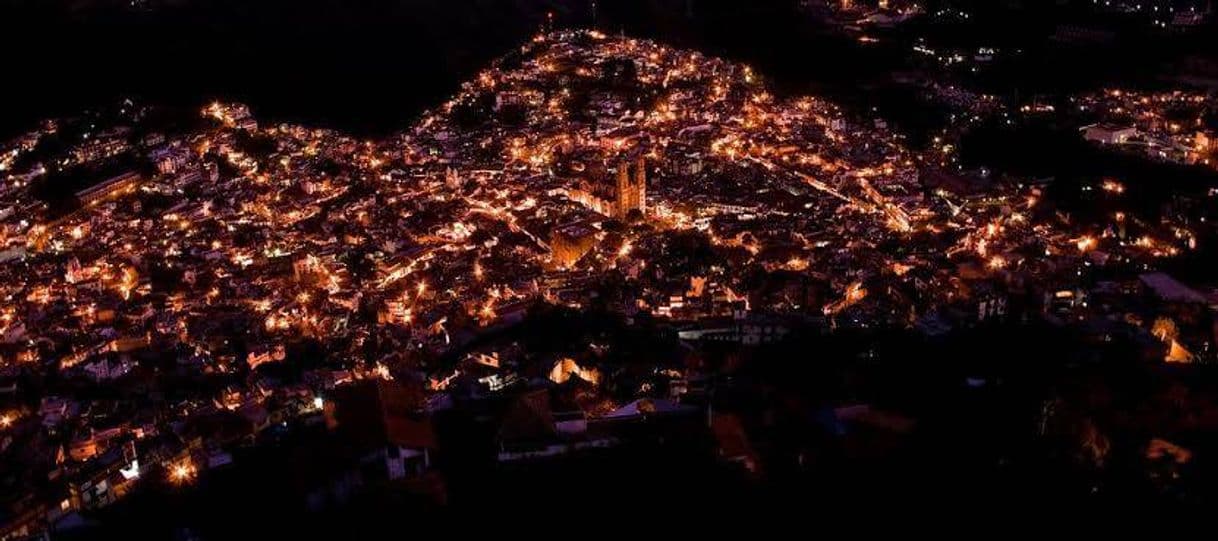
[176, 291]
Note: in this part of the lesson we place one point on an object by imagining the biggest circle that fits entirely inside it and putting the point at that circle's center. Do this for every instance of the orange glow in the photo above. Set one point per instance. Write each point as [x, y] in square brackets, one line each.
[625, 249]
[183, 472]
[1113, 186]
[567, 367]
[382, 372]
[1086, 244]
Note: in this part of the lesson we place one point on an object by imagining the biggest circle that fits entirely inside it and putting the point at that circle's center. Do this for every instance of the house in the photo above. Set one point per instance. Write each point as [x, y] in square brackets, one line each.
[101, 481]
[552, 422]
[386, 423]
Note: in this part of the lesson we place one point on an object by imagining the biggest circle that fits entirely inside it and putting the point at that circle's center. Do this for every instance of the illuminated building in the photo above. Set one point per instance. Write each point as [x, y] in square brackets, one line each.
[1109, 134]
[115, 186]
[98, 149]
[169, 160]
[627, 193]
[569, 243]
[264, 354]
[631, 188]
[104, 479]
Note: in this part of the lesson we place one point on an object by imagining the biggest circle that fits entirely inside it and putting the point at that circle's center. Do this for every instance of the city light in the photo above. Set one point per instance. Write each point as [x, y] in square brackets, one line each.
[183, 472]
[599, 241]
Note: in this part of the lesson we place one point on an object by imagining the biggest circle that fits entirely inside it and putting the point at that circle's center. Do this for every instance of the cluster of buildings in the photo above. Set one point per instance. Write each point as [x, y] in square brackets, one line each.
[857, 14]
[1173, 126]
[1172, 14]
[579, 171]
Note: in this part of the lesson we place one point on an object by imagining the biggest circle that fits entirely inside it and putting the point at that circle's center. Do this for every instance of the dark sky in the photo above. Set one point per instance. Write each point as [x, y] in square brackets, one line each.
[363, 64]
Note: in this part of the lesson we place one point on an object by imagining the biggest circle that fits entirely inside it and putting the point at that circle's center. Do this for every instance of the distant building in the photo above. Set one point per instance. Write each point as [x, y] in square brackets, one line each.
[100, 148]
[115, 186]
[632, 188]
[1203, 143]
[569, 243]
[1183, 20]
[618, 199]
[452, 180]
[1109, 134]
[169, 160]
[384, 420]
[1082, 35]
[1184, 321]
[102, 481]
